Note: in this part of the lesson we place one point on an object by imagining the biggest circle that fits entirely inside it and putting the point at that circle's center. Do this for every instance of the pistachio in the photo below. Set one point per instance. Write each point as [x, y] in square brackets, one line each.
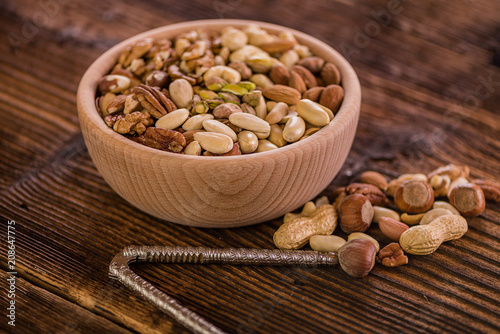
[246, 108]
[234, 89]
[226, 109]
[248, 85]
[229, 97]
[207, 94]
[215, 83]
[181, 93]
[201, 107]
[252, 97]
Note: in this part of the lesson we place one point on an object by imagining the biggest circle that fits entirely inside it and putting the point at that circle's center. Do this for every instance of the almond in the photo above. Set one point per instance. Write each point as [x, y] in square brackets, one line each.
[391, 228]
[278, 46]
[313, 64]
[313, 94]
[330, 74]
[375, 179]
[306, 75]
[332, 97]
[297, 82]
[282, 93]
[279, 74]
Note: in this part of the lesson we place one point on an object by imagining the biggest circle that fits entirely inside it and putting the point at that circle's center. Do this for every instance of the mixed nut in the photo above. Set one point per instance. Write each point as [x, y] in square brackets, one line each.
[414, 220]
[219, 93]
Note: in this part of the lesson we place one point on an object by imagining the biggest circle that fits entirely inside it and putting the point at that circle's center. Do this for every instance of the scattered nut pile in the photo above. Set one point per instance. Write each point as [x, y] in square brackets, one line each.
[228, 93]
[414, 220]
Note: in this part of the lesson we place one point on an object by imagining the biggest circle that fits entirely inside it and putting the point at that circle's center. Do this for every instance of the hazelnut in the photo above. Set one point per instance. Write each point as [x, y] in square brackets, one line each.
[392, 228]
[357, 257]
[414, 196]
[356, 213]
[491, 189]
[468, 198]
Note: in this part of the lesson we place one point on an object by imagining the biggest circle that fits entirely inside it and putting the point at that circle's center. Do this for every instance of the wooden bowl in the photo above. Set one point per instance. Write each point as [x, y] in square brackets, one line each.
[219, 191]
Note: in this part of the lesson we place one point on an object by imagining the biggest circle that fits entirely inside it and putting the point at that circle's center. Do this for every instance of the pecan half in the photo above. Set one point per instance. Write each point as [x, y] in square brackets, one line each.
[154, 101]
[392, 255]
[373, 193]
[135, 122]
[163, 139]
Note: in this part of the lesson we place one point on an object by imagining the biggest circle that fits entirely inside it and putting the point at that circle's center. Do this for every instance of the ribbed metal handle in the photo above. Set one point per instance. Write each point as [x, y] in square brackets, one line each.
[119, 269]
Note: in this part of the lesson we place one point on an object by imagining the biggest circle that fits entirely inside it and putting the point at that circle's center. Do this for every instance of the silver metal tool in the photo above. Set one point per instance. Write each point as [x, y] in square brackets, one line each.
[119, 269]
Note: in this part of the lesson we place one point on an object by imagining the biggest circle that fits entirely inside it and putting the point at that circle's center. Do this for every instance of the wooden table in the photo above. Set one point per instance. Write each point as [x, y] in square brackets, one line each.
[431, 82]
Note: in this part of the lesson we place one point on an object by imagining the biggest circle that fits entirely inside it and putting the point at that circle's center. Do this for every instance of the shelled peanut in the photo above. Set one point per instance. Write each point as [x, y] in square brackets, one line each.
[413, 220]
[247, 91]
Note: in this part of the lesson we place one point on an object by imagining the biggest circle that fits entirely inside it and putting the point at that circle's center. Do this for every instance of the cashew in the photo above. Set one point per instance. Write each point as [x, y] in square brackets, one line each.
[225, 72]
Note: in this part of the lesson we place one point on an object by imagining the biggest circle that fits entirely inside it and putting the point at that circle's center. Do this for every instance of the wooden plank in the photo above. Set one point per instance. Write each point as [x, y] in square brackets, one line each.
[39, 311]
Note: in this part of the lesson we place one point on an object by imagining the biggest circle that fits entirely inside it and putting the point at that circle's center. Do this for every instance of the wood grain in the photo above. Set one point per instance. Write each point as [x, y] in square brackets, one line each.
[418, 76]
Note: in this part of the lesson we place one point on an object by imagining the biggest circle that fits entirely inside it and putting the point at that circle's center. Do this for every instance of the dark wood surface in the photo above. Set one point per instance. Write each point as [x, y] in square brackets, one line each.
[431, 83]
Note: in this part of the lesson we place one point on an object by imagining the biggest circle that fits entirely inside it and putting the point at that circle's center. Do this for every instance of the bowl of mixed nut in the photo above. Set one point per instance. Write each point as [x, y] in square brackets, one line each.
[219, 123]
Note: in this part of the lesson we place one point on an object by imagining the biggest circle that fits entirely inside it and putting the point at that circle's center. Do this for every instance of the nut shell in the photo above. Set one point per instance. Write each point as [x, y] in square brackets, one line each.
[357, 257]
[414, 196]
[356, 213]
[469, 199]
